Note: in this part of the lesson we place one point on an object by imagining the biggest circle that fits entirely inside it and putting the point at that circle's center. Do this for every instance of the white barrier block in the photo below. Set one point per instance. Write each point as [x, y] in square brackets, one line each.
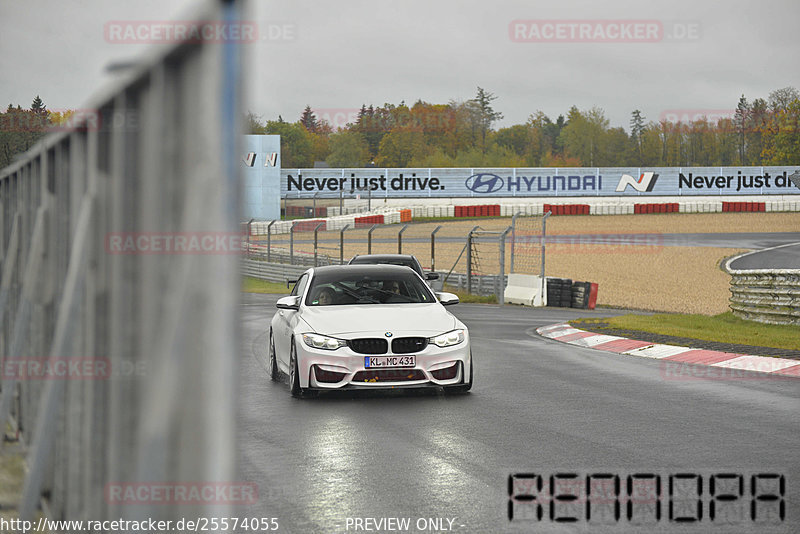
[525, 289]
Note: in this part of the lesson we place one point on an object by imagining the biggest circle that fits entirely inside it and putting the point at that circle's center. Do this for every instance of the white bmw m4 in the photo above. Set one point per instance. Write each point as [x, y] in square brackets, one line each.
[367, 327]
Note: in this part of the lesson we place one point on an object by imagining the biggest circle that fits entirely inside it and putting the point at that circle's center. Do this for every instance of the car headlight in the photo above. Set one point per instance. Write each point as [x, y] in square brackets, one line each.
[448, 339]
[323, 342]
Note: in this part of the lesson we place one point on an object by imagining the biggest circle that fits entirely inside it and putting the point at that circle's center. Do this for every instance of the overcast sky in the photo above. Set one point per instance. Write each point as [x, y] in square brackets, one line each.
[338, 55]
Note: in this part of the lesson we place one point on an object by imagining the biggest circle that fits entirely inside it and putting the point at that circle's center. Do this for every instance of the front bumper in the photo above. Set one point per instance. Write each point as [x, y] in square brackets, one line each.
[344, 369]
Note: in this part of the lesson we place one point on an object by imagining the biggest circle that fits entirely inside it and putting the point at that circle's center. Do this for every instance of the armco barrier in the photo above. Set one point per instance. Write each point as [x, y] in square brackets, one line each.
[272, 272]
[766, 296]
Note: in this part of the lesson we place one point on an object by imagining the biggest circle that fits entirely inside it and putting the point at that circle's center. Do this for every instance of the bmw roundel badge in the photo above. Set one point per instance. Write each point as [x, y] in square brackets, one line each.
[388, 334]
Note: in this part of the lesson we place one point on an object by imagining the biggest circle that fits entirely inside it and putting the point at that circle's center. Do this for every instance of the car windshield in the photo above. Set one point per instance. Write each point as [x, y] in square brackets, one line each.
[398, 286]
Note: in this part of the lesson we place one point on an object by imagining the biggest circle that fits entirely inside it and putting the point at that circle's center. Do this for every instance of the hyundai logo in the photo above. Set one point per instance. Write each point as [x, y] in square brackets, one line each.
[484, 183]
[388, 334]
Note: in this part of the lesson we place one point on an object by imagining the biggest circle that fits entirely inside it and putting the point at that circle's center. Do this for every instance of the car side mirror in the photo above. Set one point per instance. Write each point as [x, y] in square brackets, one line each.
[447, 299]
[432, 276]
[288, 303]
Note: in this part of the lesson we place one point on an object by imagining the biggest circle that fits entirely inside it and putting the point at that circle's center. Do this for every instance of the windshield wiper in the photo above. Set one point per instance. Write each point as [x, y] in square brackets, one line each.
[393, 294]
[360, 297]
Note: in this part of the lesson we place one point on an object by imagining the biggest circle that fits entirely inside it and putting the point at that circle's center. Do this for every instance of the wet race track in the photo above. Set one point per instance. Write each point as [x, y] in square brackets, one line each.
[337, 462]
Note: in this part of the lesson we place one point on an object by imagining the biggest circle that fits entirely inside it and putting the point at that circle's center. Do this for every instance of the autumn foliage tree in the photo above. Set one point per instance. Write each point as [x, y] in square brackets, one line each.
[463, 133]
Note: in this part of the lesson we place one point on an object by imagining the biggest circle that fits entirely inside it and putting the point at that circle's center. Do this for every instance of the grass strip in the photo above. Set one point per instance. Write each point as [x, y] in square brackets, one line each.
[256, 285]
[465, 297]
[722, 328]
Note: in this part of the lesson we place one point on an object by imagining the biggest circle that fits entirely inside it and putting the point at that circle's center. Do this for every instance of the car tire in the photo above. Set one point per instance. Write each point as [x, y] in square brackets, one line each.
[274, 372]
[465, 387]
[294, 377]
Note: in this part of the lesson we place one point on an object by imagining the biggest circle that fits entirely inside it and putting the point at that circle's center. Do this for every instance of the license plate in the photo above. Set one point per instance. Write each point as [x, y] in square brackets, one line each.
[390, 361]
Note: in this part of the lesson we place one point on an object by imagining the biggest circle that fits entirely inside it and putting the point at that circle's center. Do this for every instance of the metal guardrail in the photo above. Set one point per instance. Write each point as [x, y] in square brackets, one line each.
[272, 272]
[158, 330]
[766, 295]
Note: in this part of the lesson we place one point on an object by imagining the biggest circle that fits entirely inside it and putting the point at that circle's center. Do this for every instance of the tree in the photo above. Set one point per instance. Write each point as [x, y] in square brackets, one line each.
[584, 136]
[309, 120]
[38, 107]
[781, 99]
[296, 145]
[759, 116]
[400, 146]
[348, 149]
[516, 138]
[21, 128]
[637, 129]
[782, 136]
[486, 115]
[741, 121]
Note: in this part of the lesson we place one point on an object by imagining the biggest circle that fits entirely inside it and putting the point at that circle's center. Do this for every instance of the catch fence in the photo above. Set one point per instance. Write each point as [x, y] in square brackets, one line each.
[461, 251]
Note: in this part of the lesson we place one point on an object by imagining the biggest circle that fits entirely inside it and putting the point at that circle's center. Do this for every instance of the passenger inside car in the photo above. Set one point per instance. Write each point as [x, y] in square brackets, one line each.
[325, 297]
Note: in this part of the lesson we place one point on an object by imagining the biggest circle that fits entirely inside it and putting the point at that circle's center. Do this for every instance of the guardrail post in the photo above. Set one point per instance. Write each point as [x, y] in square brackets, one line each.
[291, 243]
[269, 240]
[400, 239]
[341, 243]
[544, 240]
[469, 261]
[433, 247]
[316, 242]
[500, 284]
[369, 238]
[513, 240]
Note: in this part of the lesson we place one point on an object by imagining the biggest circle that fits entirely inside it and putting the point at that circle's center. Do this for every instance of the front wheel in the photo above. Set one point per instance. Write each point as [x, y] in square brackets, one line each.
[294, 377]
[467, 385]
[274, 372]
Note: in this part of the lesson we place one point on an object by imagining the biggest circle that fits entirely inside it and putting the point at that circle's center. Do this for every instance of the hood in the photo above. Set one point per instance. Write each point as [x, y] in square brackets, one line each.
[400, 319]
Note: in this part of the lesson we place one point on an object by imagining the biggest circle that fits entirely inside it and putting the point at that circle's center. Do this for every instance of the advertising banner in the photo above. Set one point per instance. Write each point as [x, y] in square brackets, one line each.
[541, 182]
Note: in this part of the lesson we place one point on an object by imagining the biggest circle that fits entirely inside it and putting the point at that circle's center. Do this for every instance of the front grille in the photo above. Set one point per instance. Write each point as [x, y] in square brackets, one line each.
[389, 375]
[448, 373]
[369, 345]
[407, 345]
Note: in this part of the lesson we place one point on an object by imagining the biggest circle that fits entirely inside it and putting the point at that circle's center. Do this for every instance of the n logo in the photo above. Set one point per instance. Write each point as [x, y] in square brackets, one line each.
[645, 183]
[271, 160]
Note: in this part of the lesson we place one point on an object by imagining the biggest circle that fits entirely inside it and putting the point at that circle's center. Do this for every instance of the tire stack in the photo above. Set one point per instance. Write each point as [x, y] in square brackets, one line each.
[580, 294]
[559, 292]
